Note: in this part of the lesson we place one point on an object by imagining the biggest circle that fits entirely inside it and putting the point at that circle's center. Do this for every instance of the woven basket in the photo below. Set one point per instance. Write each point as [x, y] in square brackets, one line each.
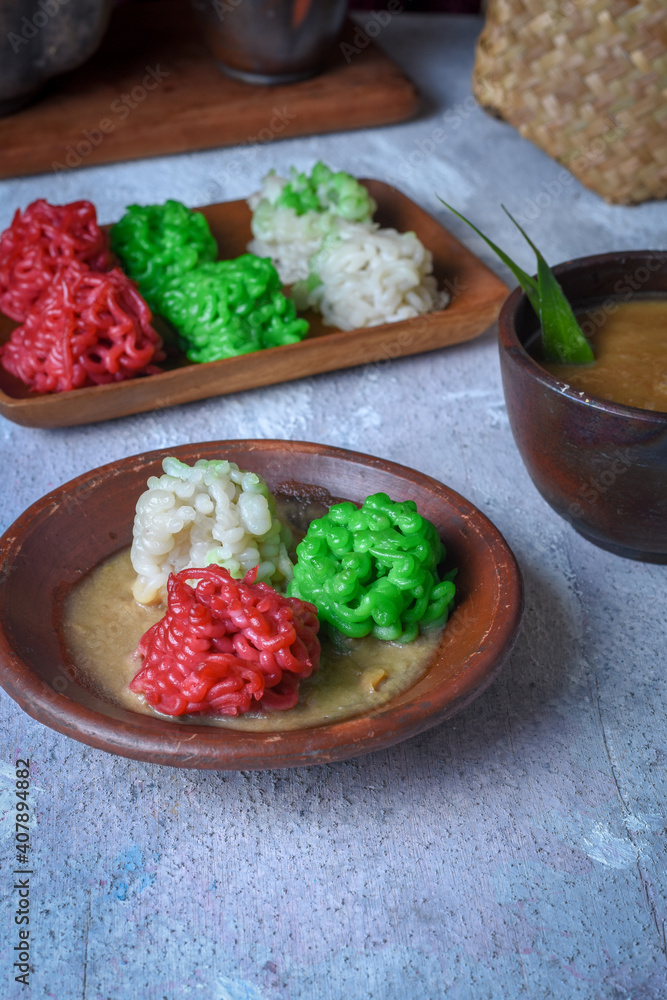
[586, 81]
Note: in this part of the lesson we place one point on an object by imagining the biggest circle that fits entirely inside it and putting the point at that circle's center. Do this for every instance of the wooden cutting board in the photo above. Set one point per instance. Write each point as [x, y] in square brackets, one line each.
[153, 88]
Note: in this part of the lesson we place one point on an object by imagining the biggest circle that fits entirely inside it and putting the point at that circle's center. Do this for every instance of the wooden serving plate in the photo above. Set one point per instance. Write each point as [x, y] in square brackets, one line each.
[477, 295]
[71, 530]
[154, 88]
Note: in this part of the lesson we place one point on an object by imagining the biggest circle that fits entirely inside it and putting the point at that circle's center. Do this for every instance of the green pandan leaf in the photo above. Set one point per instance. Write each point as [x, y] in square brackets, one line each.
[563, 340]
[528, 284]
[522, 231]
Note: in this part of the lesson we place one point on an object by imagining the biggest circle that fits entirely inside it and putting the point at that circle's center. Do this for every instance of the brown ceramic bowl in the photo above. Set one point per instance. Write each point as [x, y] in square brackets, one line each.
[600, 465]
[44, 39]
[65, 534]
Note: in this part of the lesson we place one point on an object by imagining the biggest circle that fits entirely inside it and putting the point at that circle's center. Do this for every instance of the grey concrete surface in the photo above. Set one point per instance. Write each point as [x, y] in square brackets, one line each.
[517, 851]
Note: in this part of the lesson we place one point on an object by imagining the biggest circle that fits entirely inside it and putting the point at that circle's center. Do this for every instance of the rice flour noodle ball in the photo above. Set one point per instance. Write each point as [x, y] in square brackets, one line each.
[364, 276]
[88, 328]
[291, 217]
[209, 513]
[158, 244]
[38, 243]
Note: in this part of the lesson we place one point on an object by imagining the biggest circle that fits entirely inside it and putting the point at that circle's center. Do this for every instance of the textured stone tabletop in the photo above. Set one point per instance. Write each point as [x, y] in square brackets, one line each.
[517, 851]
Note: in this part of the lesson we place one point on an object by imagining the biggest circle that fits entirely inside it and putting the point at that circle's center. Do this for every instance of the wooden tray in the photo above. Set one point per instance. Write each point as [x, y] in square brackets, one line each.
[103, 113]
[476, 292]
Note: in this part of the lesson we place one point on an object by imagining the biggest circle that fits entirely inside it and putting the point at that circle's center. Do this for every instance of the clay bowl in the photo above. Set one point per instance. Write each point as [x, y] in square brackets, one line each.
[600, 465]
[41, 40]
[66, 533]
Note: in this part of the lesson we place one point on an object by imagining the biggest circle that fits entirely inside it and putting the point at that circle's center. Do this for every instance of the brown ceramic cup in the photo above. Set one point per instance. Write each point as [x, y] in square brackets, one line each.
[600, 465]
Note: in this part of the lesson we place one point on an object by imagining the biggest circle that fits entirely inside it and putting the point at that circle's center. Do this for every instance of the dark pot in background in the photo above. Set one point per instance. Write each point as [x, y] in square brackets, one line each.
[41, 38]
[270, 41]
[602, 466]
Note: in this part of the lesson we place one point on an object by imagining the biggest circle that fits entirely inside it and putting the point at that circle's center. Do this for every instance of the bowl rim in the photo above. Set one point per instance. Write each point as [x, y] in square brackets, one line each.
[141, 739]
[511, 347]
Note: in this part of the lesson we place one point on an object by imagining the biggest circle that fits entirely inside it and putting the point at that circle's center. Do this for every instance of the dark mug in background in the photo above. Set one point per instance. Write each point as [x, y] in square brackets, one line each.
[271, 41]
[40, 39]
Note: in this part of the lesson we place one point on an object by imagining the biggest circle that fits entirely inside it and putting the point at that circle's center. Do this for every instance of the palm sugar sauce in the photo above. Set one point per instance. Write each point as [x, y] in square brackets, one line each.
[102, 625]
[630, 347]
